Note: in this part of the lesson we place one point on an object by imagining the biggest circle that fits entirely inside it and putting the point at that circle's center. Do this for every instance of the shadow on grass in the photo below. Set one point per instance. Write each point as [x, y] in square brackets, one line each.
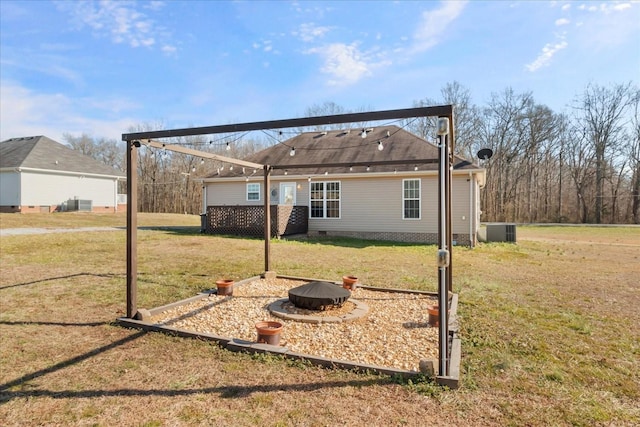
[226, 392]
[68, 276]
[64, 364]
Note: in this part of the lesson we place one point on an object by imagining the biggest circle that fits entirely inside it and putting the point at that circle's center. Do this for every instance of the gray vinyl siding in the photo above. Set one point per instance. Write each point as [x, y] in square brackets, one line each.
[366, 204]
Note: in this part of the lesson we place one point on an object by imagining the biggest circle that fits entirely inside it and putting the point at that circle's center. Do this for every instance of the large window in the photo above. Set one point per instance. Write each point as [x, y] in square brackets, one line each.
[410, 199]
[325, 199]
[253, 192]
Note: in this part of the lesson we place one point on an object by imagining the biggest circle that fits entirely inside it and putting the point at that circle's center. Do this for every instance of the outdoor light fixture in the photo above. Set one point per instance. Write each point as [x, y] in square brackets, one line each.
[292, 152]
[364, 132]
[443, 126]
[231, 167]
[380, 146]
[368, 168]
[415, 168]
[309, 179]
[350, 168]
[193, 169]
[202, 161]
[326, 172]
[228, 147]
[210, 142]
[286, 172]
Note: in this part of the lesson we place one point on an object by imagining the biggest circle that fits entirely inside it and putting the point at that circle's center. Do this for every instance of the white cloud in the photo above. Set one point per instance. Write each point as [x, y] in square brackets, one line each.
[309, 32]
[566, 6]
[544, 59]
[119, 21]
[434, 23]
[343, 62]
[562, 21]
[27, 113]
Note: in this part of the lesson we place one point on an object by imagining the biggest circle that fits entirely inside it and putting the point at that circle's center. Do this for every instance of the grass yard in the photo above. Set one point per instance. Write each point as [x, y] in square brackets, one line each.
[550, 329]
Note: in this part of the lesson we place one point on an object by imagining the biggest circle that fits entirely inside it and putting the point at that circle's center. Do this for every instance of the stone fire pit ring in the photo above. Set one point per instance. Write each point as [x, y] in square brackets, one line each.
[283, 308]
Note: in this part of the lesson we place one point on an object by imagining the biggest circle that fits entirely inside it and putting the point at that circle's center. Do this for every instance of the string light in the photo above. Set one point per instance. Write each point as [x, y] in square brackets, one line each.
[415, 168]
[350, 168]
[363, 135]
[231, 167]
[326, 172]
[228, 147]
[368, 168]
[202, 161]
[286, 172]
[380, 146]
[193, 169]
[292, 152]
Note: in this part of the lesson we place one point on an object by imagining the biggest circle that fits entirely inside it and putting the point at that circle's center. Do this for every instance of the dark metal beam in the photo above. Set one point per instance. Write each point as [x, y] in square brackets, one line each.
[441, 110]
[346, 165]
[132, 229]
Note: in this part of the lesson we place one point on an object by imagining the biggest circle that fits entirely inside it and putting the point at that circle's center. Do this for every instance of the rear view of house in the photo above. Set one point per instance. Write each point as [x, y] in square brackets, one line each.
[38, 174]
[385, 188]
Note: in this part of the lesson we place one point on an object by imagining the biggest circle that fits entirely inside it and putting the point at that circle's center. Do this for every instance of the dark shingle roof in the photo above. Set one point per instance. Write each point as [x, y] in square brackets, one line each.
[40, 152]
[321, 148]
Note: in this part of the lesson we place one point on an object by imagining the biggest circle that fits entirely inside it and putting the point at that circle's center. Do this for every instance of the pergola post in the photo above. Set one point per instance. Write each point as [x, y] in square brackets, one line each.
[132, 228]
[444, 245]
[267, 218]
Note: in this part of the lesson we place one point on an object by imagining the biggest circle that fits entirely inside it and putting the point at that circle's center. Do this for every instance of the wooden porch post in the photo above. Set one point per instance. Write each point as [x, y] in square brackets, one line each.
[267, 218]
[132, 228]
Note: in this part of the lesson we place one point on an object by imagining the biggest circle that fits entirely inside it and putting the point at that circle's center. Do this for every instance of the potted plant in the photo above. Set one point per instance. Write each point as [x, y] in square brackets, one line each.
[269, 332]
[349, 282]
[224, 287]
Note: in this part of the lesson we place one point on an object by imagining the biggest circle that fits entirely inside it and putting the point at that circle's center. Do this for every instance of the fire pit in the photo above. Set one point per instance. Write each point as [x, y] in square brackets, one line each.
[318, 295]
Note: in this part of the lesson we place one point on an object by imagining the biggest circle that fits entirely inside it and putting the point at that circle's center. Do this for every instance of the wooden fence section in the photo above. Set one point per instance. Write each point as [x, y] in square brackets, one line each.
[249, 220]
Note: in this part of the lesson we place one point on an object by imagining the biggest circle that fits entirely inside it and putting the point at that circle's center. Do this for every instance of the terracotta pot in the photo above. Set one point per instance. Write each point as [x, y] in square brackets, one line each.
[349, 282]
[225, 287]
[434, 315]
[269, 332]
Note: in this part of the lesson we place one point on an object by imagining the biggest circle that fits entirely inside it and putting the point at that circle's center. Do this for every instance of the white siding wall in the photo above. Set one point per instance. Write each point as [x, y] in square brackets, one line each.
[51, 189]
[9, 189]
[367, 205]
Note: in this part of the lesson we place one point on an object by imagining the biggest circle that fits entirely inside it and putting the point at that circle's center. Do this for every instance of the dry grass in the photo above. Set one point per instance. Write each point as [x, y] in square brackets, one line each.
[549, 327]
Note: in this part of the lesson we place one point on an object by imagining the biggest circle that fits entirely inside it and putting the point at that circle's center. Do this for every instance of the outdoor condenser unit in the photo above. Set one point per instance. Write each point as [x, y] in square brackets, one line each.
[501, 233]
[79, 205]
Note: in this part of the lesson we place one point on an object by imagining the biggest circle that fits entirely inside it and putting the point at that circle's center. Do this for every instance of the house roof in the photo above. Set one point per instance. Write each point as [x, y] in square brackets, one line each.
[346, 147]
[40, 152]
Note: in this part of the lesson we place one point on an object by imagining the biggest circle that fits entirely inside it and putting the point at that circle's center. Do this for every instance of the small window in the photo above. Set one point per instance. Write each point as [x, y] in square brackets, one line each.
[253, 192]
[410, 199]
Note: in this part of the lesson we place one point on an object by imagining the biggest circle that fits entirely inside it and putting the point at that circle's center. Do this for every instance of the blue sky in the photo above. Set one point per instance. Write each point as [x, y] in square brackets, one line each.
[100, 67]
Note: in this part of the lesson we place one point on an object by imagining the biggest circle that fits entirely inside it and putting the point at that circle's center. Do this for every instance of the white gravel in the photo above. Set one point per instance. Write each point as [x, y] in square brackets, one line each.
[394, 333]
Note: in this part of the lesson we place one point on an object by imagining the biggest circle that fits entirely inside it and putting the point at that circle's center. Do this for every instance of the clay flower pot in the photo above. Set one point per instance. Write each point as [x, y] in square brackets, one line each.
[269, 332]
[434, 315]
[225, 287]
[349, 282]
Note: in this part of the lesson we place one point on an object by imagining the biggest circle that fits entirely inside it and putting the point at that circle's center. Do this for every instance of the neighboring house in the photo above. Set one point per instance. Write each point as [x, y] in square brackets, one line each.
[396, 202]
[38, 174]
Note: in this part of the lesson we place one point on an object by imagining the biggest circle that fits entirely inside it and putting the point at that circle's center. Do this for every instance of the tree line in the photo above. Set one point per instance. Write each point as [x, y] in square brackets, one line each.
[581, 165]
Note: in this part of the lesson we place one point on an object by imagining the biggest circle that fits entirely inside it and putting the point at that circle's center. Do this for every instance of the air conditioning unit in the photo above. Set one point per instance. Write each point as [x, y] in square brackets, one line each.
[79, 205]
[501, 233]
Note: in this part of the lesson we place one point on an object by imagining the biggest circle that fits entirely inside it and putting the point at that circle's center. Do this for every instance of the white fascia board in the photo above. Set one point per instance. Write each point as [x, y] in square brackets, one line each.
[54, 172]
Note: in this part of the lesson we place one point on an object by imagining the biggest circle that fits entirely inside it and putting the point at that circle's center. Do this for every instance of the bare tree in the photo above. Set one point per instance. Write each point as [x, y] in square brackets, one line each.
[600, 115]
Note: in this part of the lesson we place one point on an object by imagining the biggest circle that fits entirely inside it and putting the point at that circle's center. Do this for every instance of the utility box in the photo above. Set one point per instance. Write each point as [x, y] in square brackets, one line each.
[80, 205]
[501, 233]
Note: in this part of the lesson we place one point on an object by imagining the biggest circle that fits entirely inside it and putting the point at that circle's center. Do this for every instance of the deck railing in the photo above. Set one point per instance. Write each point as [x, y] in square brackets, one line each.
[249, 220]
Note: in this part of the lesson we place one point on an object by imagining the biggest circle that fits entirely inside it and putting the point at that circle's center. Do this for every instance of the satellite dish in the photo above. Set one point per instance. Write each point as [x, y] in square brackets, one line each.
[485, 154]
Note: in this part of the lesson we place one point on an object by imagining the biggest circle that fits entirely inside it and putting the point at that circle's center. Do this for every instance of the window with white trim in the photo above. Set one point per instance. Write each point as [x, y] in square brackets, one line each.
[324, 199]
[253, 192]
[410, 199]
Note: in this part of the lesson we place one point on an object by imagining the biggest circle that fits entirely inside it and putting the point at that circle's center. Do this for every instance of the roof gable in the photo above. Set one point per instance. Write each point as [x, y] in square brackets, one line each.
[322, 148]
[40, 152]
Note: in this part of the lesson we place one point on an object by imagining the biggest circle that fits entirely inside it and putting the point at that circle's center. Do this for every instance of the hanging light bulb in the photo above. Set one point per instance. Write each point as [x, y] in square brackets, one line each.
[231, 167]
[368, 168]
[228, 147]
[326, 172]
[202, 161]
[193, 169]
[210, 142]
[363, 135]
[286, 172]
[350, 168]
[380, 146]
[415, 168]
[292, 152]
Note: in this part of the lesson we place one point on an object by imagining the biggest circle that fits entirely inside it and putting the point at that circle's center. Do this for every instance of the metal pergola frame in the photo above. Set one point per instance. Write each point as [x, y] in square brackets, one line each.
[446, 139]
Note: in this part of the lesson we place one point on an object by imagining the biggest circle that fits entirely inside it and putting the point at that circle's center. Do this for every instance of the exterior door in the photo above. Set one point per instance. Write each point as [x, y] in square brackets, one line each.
[288, 193]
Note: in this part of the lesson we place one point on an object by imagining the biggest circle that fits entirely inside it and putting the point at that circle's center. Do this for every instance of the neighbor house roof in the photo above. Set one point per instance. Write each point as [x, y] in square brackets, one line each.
[345, 147]
[40, 152]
